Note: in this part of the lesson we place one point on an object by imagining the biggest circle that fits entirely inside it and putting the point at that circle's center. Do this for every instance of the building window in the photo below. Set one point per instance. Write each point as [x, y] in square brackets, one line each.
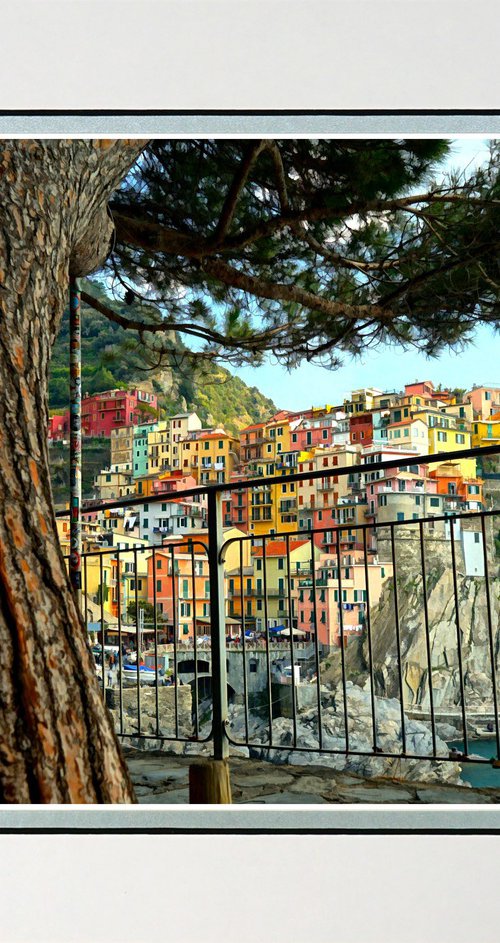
[158, 586]
[434, 502]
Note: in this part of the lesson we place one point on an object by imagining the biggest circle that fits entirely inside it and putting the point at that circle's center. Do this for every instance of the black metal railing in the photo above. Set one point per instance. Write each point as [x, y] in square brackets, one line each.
[275, 661]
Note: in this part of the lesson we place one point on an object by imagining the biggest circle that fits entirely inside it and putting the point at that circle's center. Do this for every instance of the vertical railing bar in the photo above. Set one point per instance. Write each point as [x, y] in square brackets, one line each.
[175, 621]
[269, 679]
[490, 634]
[101, 578]
[398, 640]
[316, 645]
[342, 651]
[155, 628]
[119, 615]
[195, 645]
[290, 629]
[427, 636]
[137, 646]
[459, 639]
[243, 643]
[369, 636]
[217, 626]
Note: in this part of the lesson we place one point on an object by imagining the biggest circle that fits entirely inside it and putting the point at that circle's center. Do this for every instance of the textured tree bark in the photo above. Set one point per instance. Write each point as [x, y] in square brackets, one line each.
[57, 743]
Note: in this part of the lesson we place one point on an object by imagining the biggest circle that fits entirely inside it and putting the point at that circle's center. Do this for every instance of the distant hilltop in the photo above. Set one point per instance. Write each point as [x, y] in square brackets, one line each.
[112, 360]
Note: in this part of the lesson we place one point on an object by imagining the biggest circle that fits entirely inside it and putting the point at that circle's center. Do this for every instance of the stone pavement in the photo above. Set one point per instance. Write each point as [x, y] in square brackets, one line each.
[163, 778]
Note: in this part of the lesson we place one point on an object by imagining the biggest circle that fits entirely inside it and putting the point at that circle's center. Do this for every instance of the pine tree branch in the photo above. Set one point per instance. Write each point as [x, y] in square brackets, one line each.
[239, 180]
[275, 291]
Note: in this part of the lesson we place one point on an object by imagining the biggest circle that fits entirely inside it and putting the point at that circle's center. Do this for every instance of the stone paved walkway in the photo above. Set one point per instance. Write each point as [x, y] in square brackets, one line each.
[161, 778]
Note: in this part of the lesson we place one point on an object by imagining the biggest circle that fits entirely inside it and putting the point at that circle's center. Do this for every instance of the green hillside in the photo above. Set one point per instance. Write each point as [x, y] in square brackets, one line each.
[111, 358]
[96, 454]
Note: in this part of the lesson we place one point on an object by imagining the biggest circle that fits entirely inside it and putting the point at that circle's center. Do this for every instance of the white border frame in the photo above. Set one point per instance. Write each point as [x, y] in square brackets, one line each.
[276, 55]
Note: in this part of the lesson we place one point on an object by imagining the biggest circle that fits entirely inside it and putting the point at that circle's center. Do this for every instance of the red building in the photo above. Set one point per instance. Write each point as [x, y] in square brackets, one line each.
[361, 429]
[59, 427]
[103, 412]
[114, 409]
[235, 504]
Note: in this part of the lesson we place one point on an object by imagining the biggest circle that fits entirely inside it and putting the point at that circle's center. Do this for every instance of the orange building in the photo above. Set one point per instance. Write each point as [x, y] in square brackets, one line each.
[460, 493]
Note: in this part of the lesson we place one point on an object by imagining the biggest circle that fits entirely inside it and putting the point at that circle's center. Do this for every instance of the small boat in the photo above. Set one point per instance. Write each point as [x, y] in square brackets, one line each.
[146, 675]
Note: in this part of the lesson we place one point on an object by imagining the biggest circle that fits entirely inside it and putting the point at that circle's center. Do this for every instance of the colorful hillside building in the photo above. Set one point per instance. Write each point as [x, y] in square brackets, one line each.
[485, 400]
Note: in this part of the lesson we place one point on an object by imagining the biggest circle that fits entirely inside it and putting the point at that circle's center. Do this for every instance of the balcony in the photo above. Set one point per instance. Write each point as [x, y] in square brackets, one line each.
[287, 506]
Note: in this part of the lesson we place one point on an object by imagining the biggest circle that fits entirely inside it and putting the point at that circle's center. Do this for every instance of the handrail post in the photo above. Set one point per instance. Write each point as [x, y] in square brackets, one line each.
[209, 781]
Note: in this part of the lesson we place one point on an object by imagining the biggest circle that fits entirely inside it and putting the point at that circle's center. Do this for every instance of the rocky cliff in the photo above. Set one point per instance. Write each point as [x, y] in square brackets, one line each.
[446, 638]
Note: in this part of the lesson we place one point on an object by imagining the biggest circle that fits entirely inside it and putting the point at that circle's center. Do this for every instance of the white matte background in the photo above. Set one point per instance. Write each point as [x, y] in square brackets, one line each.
[184, 54]
[243, 889]
[241, 54]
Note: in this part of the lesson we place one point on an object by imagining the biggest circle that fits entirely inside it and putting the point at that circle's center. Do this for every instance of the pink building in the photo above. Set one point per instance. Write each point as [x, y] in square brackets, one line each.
[424, 388]
[341, 596]
[401, 495]
[326, 431]
[485, 401]
[318, 499]
[176, 481]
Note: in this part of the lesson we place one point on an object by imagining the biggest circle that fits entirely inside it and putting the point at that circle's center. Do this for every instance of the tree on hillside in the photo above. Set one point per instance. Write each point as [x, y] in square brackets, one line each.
[306, 249]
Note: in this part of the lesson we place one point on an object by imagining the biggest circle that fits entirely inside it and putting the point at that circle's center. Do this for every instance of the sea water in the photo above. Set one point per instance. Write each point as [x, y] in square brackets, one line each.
[474, 773]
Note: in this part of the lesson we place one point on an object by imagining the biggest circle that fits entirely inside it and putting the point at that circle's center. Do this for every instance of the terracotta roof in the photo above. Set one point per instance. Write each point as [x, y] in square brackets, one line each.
[257, 425]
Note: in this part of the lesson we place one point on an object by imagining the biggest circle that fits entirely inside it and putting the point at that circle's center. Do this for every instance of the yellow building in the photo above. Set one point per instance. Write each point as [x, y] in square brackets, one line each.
[210, 457]
[447, 433]
[362, 401]
[277, 582]
[272, 508]
[164, 444]
[113, 483]
[277, 432]
[486, 431]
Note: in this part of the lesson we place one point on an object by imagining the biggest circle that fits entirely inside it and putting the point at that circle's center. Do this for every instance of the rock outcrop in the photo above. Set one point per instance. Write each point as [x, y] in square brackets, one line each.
[472, 633]
[361, 739]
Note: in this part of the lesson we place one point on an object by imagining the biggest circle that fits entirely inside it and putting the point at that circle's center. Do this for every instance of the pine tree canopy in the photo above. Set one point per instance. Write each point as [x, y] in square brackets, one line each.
[303, 249]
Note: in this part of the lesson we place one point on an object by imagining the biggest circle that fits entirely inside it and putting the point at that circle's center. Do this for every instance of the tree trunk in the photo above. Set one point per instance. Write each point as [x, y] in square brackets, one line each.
[57, 742]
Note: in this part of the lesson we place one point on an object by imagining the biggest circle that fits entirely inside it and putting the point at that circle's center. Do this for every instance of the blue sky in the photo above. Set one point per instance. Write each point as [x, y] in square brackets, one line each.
[387, 368]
